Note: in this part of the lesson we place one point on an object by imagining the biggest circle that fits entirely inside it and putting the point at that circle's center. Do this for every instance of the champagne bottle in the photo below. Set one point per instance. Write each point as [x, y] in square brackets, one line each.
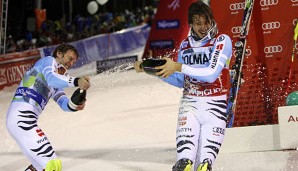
[149, 65]
[77, 98]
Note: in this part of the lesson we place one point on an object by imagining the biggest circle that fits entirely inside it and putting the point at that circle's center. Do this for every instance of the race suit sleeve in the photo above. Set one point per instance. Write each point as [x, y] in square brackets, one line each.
[61, 99]
[220, 55]
[54, 79]
[176, 79]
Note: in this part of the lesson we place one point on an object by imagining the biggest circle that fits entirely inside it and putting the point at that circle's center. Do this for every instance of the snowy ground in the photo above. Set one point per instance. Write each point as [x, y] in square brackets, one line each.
[128, 125]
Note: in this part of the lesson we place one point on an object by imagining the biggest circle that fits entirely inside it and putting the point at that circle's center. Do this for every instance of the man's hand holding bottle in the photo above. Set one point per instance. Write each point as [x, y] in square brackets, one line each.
[78, 98]
[84, 83]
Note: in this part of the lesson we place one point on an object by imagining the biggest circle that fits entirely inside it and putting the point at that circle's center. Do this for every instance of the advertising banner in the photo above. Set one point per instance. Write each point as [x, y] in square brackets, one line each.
[169, 28]
[104, 46]
[268, 56]
[13, 66]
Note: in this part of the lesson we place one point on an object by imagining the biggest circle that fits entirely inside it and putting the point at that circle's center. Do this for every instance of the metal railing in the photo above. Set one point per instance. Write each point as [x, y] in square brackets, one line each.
[3, 24]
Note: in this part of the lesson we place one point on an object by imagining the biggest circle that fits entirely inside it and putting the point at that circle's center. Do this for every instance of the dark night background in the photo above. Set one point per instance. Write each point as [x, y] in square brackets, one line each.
[20, 10]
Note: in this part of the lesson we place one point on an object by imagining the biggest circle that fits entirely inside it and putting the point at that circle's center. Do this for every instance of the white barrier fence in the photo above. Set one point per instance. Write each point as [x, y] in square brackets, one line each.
[276, 137]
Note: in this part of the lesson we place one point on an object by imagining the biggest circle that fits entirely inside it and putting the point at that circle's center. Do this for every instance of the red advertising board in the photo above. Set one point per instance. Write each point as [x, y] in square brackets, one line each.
[14, 65]
[267, 63]
[169, 28]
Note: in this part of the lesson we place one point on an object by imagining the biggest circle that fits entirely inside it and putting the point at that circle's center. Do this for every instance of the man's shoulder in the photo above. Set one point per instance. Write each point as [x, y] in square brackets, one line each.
[185, 42]
[47, 58]
[222, 36]
[45, 61]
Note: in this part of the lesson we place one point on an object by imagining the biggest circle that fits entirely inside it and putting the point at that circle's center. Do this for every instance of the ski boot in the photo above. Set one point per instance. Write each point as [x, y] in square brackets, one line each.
[205, 166]
[54, 165]
[30, 168]
[182, 165]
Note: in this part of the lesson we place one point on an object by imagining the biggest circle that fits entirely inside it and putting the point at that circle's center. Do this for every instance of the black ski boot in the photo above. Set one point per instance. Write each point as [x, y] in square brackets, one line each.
[182, 165]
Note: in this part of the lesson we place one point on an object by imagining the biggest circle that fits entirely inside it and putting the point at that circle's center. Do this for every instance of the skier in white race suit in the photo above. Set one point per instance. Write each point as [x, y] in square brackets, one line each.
[202, 71]
[46, 79]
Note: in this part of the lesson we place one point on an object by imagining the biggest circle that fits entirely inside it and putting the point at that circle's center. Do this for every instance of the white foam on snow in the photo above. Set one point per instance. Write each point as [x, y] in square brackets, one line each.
[129, 124]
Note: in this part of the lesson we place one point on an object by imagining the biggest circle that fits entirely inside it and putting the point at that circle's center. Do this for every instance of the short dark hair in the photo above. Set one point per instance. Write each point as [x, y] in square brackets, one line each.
[63, 48]
[201, 9]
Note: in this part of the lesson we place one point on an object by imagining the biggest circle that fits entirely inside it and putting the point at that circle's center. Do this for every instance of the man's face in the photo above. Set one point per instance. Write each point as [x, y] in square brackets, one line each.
[68, 59]
[200, 25]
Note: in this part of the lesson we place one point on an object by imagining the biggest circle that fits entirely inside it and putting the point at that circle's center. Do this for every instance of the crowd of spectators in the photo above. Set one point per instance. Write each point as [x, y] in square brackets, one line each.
[56, 32]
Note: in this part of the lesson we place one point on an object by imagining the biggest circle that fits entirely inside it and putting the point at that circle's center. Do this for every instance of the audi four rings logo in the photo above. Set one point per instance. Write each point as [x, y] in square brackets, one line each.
[237, 6]
[273, 49]
[295, 21]
[268, 2]
[271, 25]
[236, 30]
[247, 52]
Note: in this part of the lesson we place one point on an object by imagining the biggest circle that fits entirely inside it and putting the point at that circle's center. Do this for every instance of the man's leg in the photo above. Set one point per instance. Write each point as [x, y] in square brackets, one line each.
[22, 125]
[212, 132]
[188, 130]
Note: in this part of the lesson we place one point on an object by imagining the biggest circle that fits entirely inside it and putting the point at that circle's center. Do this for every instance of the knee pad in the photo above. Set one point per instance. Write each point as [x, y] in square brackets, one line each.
[182, 165]
[54, 165]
